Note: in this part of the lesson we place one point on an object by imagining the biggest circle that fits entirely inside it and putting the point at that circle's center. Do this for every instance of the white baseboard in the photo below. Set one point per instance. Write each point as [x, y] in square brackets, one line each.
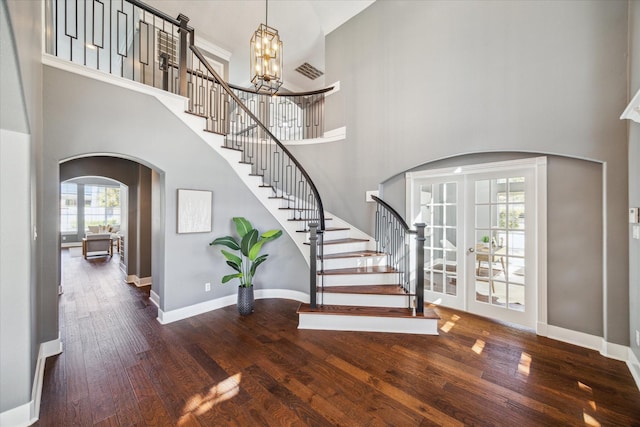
[17, 417]
[154, 298]
[27, 414]
[634, 366]
[141, 281]
[607, 349]
[203, 307]
[47, 349]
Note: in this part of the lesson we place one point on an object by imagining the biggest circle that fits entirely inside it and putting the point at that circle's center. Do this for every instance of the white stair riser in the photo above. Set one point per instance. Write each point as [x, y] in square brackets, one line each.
[359, 279]
[360, 300]
[336, 234]
[353, 262]
[337, 322]
[345, 247]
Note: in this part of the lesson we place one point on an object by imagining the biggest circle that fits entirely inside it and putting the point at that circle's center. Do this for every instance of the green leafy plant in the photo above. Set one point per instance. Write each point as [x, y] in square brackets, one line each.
[485, 239]
[248, 248]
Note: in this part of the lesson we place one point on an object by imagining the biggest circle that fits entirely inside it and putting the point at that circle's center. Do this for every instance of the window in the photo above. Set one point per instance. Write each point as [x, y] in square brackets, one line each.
[68, 208]
[101, 205]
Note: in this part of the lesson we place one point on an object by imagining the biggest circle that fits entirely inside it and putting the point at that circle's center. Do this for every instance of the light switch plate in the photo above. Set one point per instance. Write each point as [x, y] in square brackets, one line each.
[636, 232]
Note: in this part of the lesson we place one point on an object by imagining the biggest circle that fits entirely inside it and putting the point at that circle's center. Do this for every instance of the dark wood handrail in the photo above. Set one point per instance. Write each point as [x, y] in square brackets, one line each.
[309, 93]
[157, 12]
[201, 75]
[230, 92]
[395, 213]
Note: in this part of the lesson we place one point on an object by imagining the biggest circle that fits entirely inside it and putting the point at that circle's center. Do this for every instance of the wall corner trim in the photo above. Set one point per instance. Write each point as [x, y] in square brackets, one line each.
[154, 298]
[27, 414]
[165, 317]
[634, 366]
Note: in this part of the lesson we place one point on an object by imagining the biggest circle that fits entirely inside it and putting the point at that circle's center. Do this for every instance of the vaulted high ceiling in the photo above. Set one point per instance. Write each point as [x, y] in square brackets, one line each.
[302, 24]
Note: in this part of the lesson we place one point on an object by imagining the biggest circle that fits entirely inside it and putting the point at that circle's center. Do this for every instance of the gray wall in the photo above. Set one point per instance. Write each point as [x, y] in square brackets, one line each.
[634, 180]
[21, 123]
[422, 81]
[574, 219]
[180, 159]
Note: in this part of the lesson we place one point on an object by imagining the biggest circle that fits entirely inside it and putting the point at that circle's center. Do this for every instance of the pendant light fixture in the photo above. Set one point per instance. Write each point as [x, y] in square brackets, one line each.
[266, 57]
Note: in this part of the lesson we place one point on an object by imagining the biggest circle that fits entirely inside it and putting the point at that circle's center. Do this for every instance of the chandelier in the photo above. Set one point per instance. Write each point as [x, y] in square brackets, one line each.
[266, 57]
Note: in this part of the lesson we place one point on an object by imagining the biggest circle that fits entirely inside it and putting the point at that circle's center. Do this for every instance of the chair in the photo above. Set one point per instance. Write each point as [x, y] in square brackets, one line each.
[97, 243]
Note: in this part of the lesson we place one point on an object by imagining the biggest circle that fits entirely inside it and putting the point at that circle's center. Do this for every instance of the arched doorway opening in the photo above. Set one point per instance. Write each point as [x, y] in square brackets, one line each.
[92, 177]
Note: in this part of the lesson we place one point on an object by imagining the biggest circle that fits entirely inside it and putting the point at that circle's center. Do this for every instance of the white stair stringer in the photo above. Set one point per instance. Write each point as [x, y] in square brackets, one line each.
[177, 106]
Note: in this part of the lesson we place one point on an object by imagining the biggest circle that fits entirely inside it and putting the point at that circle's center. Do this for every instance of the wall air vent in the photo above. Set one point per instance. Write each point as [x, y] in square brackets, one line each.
[309, 71]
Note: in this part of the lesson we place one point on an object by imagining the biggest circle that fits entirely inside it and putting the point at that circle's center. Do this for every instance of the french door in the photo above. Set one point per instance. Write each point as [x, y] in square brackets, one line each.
[439, 207]
[500, 249]
[480, 248]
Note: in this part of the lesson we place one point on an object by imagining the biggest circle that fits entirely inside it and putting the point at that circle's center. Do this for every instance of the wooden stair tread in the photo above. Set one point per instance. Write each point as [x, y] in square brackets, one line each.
[327, 229]
[365, 290]
[341, 241]
[217, 133]
[349, 310]
[355, 254]
[228, 148]
[312, 219]
[191, 113]
[360, 270]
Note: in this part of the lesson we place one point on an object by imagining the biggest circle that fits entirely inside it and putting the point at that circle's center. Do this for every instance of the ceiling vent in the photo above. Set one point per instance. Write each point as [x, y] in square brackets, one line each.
[309, 71]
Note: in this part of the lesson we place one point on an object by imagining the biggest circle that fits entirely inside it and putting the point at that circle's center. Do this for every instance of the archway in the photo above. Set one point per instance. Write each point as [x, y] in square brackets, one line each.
[137, 181]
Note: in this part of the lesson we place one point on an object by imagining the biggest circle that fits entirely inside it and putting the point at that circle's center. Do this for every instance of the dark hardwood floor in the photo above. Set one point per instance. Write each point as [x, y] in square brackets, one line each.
[120, 367]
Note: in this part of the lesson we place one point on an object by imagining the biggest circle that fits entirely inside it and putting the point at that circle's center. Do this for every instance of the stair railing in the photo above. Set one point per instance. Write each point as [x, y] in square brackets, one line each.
[132, 40]
[270, 160]
[289, 116]
[392, 235]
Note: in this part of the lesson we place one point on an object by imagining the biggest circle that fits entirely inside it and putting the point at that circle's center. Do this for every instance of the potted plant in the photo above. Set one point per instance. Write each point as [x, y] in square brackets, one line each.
[247, 260]
[486, 240]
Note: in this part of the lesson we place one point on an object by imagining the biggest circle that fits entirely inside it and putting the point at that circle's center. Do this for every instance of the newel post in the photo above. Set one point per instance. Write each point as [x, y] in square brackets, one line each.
[182, 59]
[420, 239]
[313, 264]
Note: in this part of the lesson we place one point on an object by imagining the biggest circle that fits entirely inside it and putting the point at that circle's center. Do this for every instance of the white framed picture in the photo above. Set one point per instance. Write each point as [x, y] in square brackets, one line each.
[194, 211]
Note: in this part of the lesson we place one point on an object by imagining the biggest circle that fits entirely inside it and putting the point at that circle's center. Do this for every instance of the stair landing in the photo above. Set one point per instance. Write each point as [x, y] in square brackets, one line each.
[367, 319]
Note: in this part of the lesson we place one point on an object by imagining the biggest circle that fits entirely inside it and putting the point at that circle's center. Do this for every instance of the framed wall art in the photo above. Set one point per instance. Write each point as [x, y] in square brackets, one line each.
[195, 211]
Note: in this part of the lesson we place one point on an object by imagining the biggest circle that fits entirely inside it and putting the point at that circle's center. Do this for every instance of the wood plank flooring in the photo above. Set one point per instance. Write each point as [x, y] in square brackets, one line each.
[120, 367]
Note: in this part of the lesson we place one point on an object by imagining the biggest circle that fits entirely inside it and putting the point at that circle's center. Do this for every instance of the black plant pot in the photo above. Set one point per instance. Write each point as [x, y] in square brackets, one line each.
[245, 300]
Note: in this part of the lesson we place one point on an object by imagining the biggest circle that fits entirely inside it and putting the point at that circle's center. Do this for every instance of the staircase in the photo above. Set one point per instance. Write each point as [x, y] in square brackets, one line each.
[359, 291]
[359, 286]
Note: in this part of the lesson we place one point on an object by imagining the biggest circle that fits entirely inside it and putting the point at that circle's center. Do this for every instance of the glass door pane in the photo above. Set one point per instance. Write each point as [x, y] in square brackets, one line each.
[500, 234]
[438, 207]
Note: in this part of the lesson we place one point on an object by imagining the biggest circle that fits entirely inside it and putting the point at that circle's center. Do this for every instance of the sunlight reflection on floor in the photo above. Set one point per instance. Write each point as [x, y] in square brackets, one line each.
[478, 346]
[219, 393]
[524, 366]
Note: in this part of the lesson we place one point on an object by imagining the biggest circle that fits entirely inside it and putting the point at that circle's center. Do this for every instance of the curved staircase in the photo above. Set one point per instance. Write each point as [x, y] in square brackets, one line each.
[361, 288]
[359, 291]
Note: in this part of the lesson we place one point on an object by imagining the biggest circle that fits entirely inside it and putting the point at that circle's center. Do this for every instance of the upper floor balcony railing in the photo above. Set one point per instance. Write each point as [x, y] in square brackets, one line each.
[130, 39]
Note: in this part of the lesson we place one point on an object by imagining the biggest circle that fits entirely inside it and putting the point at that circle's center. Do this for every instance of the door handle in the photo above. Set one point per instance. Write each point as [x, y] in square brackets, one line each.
[470, 250]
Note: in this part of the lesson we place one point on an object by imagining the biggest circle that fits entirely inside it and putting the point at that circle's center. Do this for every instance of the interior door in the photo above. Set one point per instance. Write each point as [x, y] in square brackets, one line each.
[436, 202]
[500, 238]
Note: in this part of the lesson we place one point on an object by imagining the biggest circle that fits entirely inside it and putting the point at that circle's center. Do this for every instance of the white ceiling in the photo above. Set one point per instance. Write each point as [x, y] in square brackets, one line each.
[302, 25]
